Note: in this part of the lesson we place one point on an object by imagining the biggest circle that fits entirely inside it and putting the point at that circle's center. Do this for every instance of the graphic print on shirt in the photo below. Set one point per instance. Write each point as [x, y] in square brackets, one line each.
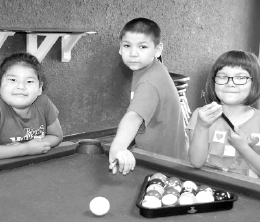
[229, 151]
[132, 95]
[224, 149]
[256, 139]
[31, 133]
[219, 136]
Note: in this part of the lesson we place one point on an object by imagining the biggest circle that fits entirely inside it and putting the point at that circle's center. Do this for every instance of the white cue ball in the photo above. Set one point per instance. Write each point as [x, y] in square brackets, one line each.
[99, 206]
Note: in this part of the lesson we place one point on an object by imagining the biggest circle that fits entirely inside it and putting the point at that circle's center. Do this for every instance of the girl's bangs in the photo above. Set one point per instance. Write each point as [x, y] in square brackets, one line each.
[235, 61]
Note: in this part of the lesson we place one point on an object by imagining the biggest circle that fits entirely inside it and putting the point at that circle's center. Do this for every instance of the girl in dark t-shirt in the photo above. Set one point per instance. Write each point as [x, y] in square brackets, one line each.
[29, 121]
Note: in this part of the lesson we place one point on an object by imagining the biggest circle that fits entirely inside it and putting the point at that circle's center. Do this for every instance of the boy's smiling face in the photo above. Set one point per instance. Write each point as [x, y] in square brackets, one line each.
[138, 50]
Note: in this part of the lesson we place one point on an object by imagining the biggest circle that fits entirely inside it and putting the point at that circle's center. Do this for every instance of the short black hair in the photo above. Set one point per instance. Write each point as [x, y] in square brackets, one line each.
[235, 58]
[24, 59]
[143, 26]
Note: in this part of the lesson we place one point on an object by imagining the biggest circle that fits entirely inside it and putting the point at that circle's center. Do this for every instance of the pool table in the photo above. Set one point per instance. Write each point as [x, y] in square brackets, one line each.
[58, 186]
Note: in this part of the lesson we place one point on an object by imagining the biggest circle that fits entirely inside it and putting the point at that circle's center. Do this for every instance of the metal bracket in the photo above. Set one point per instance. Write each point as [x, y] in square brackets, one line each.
[3, 37]
[68, 41]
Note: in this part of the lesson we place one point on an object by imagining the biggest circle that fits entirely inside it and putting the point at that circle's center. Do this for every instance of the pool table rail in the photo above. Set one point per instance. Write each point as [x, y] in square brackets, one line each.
[234, 183]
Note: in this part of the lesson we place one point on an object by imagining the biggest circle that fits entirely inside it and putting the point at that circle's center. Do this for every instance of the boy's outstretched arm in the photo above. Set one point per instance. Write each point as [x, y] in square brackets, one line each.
[119, 154]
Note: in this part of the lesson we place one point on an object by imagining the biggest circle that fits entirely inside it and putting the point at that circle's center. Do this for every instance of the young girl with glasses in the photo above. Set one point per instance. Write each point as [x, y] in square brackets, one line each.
[232, 89]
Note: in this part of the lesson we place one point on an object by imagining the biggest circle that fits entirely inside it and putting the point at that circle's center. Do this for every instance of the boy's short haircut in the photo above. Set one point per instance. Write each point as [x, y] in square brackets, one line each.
[143, 26]
[235, 58]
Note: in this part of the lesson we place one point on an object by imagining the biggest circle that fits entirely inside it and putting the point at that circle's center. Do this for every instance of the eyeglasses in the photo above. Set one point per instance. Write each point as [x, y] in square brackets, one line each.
[237, 80]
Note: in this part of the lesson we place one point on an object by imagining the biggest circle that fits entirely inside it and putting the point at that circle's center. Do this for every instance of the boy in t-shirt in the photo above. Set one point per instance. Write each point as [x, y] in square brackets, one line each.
[154, 118]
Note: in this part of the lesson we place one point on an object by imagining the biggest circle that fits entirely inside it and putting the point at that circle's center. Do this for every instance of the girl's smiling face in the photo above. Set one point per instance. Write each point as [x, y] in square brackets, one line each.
[230, 93]
[20, 86]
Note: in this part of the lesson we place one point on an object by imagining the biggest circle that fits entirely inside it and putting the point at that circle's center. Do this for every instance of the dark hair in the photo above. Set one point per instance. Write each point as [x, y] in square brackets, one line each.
[143, 26]
[23, 59]
[235, 58]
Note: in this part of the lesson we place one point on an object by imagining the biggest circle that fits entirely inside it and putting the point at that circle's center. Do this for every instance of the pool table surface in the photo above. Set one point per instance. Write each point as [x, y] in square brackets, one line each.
[58, 186]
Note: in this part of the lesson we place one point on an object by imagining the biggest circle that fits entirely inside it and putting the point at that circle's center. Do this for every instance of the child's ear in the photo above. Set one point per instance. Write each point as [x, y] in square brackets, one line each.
[40, 89]
[159, 49]
[120, 53]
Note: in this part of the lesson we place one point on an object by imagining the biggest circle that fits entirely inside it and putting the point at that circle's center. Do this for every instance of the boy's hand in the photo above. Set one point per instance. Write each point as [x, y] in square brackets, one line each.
[37, 146]
[209, 113]
[124, 160]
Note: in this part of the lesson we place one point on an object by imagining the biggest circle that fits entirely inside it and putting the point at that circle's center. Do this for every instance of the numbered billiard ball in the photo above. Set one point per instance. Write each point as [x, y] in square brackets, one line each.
[188, 190]
[221, 195]
[187, 199]
[151, 202]
[171, 190]
[157, 187]
[170, 196]
[205, 188]
[204, 197]
[189, 185]
[154, 193]
[156, 181]
[169, 199]
[174, 182]
[160, 176]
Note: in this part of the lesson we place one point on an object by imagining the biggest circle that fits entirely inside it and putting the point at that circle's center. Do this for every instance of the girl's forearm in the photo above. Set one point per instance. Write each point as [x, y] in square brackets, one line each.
[198, 150]
[13, 150]
[53, 139]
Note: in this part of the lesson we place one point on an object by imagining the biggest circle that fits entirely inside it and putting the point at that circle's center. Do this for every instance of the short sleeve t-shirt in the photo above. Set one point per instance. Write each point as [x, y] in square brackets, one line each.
[156, 100]
[221, 154]
[13, 128]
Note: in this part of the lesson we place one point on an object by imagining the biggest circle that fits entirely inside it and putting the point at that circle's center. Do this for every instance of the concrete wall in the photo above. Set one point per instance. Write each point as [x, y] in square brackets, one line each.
[92, 90]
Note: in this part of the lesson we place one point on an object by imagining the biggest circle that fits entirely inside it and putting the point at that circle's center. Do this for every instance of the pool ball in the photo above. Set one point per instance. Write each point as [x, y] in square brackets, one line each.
[174, 182]
[151, 202]
[157, 187]
[154, 193]
[221, 195]
[160, 176]
[205, 188]
[170, 196]
[189, 185]
[188, 190]
[169, 199]
[99, 206]
[156, 181]
[187, 199]
[171, 190]
[204, 197]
